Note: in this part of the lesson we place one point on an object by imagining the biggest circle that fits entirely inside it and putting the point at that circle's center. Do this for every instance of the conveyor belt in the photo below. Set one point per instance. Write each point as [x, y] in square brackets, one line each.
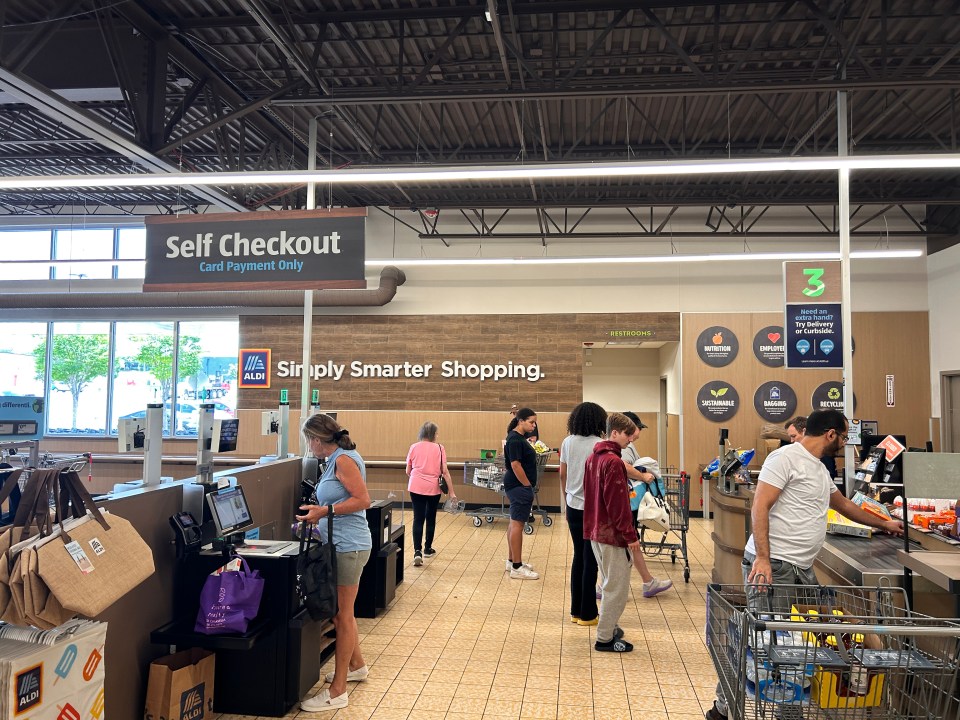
[864, 561]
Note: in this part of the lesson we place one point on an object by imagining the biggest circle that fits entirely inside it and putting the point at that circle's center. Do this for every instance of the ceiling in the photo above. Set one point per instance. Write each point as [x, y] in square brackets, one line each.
[115, 86]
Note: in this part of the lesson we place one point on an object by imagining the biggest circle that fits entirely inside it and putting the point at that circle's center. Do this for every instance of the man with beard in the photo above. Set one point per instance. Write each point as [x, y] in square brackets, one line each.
[789, 514]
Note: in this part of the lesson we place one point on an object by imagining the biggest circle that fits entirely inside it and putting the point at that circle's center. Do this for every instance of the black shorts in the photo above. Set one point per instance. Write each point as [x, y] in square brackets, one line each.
[521, 502]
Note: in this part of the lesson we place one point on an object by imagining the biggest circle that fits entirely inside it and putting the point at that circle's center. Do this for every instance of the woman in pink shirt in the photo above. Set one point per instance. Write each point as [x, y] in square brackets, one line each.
[426, 463]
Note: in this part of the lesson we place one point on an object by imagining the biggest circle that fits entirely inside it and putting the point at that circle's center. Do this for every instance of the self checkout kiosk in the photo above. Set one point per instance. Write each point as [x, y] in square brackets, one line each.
[268, 669]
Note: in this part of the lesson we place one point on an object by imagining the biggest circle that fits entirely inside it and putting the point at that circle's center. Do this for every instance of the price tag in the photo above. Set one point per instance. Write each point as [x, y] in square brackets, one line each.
[97, 546]
[79, 557]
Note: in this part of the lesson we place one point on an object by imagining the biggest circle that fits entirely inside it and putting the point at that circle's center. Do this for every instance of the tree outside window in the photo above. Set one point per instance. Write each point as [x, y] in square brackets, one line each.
[77, 360]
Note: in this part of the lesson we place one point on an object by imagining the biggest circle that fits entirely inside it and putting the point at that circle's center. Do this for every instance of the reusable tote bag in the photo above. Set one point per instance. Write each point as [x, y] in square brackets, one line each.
[317, 572]
[229, 600]
[94, 563]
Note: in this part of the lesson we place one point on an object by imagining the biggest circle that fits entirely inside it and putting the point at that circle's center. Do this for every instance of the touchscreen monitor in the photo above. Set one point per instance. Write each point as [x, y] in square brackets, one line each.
[229, 510]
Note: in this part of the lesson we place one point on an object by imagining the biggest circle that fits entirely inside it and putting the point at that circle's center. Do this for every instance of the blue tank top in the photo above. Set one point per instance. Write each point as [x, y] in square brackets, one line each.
[350, 531]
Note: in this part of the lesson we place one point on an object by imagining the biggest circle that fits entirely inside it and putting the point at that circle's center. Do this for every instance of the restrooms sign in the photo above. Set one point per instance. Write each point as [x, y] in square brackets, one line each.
[299, 250]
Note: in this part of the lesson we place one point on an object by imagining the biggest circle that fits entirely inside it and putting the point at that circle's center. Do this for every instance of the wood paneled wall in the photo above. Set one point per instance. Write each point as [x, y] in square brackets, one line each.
[886, 344]
[552, 341]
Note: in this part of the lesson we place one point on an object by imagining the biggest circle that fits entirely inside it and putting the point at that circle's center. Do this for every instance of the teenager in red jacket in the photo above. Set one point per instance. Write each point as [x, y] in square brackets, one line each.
[609, 524]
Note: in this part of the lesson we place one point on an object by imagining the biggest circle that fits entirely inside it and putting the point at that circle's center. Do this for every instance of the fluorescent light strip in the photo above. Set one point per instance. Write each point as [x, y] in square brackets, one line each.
[443, 174]
[637, 259]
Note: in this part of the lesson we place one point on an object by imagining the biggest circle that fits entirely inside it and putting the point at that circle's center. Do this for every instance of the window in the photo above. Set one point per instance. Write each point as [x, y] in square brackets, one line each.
[79, 366]
[143, 370]
[25, 245]
[23, 351]
[131, 243]
[81, 244]
[206, 371]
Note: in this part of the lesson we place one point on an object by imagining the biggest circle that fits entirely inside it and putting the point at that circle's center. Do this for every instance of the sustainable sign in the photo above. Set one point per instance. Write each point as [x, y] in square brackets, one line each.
[718, 401]
[249, 251]
[812, 319]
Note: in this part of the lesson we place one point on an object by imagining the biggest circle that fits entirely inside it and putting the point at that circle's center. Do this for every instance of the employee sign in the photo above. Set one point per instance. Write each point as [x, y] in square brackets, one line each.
[249, 251]
[812, 322]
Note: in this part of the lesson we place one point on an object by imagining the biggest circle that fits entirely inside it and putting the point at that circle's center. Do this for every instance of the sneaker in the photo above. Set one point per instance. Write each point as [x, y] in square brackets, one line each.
[322, 701]
[618, 645]
[714, 714]
[574, 619]
[417, 559]
[617, 633]
[594, 621]
[508, 565]
[524, 572]
[655, 587]
[429, 553]
[358, 675]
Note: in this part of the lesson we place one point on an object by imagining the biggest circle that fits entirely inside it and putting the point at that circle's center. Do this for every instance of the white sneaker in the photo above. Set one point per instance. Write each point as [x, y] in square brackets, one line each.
[322, 701]
[358, 675]
[508, 566]
[524, 572]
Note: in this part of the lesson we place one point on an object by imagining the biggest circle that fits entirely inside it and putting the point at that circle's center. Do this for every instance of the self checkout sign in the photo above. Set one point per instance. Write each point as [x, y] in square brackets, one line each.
[812, 324]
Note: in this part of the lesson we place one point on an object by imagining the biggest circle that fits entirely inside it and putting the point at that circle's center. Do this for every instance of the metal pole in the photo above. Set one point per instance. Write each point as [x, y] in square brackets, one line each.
[843, 176]
[308, 294]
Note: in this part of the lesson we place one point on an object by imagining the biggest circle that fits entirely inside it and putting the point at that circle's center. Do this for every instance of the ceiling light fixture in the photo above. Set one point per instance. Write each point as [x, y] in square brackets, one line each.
[641, 259]
[479, 173]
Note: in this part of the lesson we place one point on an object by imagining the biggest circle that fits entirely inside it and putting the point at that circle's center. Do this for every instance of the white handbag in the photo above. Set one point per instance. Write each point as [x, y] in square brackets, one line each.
[653, 514]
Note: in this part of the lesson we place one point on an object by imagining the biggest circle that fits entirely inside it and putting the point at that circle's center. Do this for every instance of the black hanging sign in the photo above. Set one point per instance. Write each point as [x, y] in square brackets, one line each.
[717, 346]
[775, 401]
[718, 401]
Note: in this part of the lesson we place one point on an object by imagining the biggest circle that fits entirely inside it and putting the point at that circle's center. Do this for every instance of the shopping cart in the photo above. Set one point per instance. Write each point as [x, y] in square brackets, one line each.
[677, 495]
[838, 653]
[488, 474]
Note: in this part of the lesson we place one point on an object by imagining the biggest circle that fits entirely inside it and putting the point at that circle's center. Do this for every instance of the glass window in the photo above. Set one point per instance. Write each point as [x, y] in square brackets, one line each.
[83, 244]
[24, 245]
[131, 243]
[23, 348]
[206, 371]
[143, 370]
[79, 367]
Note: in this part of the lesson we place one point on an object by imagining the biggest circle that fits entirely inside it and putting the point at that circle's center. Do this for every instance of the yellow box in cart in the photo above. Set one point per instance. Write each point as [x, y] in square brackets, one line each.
[827, 690]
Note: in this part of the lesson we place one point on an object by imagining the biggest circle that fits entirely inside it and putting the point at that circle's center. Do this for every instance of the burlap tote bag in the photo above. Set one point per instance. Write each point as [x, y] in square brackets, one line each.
[31, 521]
[94, 561]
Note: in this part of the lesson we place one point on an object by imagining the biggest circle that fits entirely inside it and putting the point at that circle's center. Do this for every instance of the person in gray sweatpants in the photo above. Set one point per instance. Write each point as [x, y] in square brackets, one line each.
[608, 524]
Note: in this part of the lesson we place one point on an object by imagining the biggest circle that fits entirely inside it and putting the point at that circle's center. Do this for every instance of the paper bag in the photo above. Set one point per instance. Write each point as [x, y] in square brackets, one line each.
[180, 686]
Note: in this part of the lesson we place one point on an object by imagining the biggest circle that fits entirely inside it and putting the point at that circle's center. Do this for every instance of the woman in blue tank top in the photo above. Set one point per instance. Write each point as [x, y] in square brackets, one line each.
[343, 488]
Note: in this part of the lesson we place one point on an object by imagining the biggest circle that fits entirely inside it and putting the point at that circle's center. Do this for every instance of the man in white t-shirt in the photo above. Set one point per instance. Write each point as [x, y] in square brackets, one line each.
[789, 515]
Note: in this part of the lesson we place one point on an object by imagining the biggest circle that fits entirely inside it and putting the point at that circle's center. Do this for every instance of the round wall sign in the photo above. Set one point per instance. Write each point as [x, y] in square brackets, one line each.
[828, 396]
[775, 401]
[717, 346]
[718, 401]
[768, 346]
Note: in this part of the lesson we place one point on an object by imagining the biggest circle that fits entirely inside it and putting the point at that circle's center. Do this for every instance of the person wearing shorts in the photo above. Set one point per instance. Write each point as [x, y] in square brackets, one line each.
[341, 488]
[520, 461]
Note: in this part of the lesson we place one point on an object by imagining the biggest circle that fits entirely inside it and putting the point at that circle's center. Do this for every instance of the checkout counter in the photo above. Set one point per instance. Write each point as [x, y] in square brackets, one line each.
[928, 566]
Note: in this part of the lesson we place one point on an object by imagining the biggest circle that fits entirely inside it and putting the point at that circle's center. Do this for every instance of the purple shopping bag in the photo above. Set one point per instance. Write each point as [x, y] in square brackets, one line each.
[229, 601]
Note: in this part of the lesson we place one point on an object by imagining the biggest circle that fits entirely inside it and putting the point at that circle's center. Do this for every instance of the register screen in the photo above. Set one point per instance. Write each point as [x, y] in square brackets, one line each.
[231, 509]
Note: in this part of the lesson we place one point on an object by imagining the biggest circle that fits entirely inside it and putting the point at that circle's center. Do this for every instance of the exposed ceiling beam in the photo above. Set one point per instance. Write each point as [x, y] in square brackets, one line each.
[49, 103]
[454, 95]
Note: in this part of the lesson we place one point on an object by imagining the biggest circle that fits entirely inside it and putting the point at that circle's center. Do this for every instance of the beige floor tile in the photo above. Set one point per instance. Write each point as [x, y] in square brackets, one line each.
[351, 712]
[432, 703]
[390, 714]
[540, 711]
[399, 701]
[573, 712]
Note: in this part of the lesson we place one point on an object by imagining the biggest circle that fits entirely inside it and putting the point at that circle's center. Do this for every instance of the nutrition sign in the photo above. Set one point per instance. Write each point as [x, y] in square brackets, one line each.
[812, 324]
[248, 251]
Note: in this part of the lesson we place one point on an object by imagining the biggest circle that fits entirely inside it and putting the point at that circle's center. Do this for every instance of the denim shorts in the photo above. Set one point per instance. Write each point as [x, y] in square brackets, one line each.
[521, 503]
[350, 566]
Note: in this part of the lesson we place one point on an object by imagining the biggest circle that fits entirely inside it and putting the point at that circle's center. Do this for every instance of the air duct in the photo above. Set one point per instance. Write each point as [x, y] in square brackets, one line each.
[390, 279]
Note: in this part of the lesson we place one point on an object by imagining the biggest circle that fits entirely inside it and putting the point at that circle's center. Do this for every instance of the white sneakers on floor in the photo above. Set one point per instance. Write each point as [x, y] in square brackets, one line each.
[524, 572]
[322, 701]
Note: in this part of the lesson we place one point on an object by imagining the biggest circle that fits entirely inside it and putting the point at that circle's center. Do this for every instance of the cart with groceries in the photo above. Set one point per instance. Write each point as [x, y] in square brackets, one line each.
[488, 473]
[803, 652]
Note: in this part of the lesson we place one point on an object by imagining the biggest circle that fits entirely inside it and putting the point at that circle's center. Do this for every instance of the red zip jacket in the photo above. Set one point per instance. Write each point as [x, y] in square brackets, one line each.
[607, 517]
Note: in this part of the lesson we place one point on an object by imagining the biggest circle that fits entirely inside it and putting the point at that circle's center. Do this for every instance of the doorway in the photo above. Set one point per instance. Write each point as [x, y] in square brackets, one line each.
[950, 410]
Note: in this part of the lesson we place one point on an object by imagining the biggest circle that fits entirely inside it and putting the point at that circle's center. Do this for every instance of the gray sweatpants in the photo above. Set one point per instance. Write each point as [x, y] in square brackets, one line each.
[614, 564]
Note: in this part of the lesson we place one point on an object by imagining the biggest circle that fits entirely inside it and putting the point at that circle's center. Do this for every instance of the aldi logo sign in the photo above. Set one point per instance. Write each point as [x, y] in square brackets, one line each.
[29, 687]
[254, 368]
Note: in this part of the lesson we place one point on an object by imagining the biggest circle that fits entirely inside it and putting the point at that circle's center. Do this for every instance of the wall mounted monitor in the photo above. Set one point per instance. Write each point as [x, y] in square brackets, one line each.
[225, 434]
[229, 510]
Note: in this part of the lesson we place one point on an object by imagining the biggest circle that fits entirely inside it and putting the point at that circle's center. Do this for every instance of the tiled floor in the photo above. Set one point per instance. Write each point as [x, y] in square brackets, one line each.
[463, 641]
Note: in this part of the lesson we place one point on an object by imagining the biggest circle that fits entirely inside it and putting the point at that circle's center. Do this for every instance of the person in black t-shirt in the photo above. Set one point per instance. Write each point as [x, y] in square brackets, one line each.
[520, 463]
